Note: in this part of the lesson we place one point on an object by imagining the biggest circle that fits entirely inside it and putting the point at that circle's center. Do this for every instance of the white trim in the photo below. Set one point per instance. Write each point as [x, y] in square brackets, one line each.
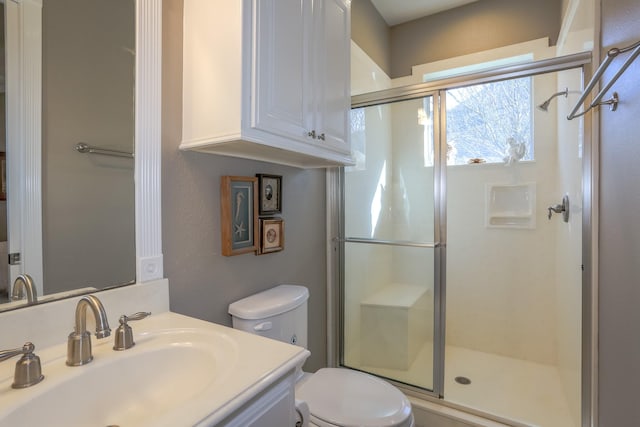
[332, 178]
[567, 20]
[149, 263]
[428, 411]
[525, 52]
[24, 130]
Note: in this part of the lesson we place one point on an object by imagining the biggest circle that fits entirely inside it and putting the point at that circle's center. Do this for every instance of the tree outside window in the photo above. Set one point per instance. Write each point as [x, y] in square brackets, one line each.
[489, 122]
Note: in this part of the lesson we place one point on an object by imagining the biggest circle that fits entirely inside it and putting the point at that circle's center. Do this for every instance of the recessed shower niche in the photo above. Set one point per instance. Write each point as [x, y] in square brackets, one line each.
[510, 206]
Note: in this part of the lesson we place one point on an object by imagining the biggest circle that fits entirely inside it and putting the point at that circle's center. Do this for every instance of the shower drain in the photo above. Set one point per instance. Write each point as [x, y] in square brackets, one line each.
[463, 380]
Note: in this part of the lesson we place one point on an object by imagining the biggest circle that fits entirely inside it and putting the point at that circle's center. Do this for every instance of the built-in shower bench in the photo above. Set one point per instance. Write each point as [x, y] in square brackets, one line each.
[396, 321]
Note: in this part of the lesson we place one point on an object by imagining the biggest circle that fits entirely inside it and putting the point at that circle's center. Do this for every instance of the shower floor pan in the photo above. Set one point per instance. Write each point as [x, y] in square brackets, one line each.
[523, 391]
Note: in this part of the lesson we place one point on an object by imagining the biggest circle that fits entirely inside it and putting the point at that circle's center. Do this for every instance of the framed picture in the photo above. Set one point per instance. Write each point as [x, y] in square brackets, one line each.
[271, 235]
[270, 200]
[238, 218]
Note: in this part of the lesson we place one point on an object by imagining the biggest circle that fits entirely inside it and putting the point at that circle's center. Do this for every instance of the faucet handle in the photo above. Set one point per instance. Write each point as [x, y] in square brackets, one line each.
[137, 316]
[124, 333]
[28, 369]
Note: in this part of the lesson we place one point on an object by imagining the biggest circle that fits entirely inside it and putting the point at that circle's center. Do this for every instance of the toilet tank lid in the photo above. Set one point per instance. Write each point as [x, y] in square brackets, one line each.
[269, 303]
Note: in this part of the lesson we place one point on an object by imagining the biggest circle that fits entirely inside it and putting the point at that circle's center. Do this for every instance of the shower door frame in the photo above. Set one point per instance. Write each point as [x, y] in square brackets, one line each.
[439, 237]
[337, 239]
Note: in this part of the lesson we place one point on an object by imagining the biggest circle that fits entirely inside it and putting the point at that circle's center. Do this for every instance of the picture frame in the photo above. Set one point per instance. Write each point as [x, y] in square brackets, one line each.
[270, 198]
[271, 235]
[238, 214]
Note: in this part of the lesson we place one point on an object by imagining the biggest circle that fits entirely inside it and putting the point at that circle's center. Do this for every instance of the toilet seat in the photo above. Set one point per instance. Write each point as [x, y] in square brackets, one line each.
[346, 398]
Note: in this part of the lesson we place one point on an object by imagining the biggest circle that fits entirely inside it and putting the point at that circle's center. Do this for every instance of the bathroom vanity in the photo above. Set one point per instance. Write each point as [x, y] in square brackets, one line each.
[181, 370]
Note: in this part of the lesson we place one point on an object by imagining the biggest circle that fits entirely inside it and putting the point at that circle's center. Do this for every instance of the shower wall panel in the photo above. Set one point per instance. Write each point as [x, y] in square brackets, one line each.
[501, 282]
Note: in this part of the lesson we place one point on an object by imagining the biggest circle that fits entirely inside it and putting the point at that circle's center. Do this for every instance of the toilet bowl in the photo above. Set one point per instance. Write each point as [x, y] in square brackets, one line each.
[336, 397]
[342, 397]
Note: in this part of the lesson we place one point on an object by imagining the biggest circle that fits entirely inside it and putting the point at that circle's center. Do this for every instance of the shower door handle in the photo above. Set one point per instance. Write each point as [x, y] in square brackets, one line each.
[563, 208]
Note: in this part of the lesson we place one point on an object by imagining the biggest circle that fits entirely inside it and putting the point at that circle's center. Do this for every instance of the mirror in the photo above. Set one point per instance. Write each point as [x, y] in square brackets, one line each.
[77, 58]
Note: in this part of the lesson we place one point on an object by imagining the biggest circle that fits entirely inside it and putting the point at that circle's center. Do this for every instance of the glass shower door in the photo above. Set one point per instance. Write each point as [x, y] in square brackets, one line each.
[390, 255]
[513, 270]
[455, 193]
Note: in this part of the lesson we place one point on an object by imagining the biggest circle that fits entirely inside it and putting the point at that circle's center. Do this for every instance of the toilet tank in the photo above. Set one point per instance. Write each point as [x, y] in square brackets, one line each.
[279, 313]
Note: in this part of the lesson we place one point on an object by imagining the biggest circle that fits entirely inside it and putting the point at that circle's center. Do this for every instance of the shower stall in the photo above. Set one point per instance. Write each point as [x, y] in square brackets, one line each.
[459, 269]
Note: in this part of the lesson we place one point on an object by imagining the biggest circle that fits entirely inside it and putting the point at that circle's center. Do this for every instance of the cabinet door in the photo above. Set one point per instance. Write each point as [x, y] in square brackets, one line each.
[274, 407]
[280, 75]
[332, 73]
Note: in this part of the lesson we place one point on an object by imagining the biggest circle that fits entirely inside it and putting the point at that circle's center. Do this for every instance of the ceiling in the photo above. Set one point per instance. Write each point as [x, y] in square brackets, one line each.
[398, 11]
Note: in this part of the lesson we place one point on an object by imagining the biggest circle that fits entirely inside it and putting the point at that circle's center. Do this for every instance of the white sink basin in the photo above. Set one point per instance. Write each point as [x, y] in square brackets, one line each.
[180, 372]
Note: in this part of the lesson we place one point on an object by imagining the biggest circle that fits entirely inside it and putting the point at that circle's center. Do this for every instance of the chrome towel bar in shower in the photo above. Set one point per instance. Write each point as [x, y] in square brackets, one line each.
[613, 102]
[82, 147]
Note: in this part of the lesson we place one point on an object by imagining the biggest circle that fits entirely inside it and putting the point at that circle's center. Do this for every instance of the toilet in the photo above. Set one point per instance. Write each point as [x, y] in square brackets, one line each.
[336, 397]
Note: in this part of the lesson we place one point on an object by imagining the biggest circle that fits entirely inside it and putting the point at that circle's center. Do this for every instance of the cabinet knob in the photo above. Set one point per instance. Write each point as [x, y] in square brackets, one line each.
[312, 134]
[321, 136]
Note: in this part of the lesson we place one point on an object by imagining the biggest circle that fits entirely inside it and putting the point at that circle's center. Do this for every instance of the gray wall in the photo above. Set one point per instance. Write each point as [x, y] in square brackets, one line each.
[371, 33]
[619, 346]
[88, 92]
[202, 281]
[478, 26]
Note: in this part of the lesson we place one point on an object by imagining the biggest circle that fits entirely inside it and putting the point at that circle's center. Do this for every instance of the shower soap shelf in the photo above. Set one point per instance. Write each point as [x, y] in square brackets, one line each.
[510, 206]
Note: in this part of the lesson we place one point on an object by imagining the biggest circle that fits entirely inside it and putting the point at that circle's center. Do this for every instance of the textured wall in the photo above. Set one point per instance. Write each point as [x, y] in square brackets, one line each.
[202, 281]
[472, 28]
[619, 283]
[371, 33]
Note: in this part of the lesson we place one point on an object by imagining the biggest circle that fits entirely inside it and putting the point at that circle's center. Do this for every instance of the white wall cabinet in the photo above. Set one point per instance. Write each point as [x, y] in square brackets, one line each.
[268, 80]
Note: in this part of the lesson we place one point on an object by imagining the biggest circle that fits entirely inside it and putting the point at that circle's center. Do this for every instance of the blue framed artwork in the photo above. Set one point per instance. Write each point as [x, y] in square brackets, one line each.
[238, 216]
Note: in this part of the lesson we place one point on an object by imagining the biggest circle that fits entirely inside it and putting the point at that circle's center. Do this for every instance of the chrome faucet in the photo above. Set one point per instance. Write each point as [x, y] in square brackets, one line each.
[124, 333]
[28, 370]
[24, 284]
[79, 343]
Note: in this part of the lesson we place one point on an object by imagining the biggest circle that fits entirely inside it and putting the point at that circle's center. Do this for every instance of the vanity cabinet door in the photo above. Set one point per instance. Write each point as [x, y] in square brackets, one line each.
[274, 407]
[281, 79]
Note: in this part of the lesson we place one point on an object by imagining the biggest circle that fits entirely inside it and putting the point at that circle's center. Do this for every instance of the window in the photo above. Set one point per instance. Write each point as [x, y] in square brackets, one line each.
[490, 123]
